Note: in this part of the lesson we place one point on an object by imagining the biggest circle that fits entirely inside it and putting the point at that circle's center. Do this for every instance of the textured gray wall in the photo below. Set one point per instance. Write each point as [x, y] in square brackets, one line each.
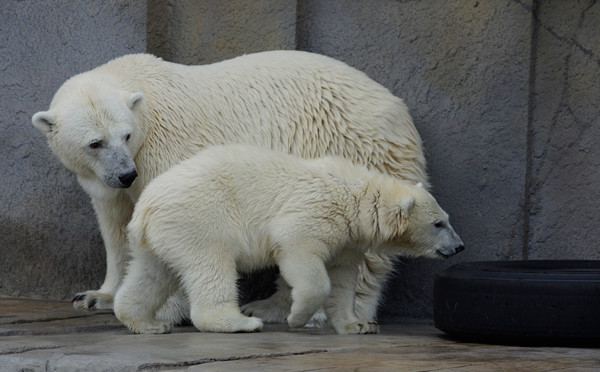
[200, 32]
[50, 245]
[565, 132]
[504, 93]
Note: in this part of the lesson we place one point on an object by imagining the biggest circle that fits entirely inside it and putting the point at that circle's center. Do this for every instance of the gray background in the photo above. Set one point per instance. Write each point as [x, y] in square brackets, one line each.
[505, 94]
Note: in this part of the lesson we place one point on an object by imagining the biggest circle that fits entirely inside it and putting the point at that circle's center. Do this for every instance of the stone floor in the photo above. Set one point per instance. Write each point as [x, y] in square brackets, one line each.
[51, 336]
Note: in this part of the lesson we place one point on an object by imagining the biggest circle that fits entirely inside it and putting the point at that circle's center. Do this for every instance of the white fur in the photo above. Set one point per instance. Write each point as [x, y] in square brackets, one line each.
[239, 208]
[295, 102]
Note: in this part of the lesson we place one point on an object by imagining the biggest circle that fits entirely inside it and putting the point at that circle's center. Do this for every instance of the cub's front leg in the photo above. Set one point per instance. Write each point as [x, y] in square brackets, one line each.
[339, 306]
[113, 216]
[303, 269]
[209, 276]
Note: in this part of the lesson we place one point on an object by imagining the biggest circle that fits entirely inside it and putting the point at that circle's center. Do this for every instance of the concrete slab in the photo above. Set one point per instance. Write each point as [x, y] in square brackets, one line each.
[45, 335]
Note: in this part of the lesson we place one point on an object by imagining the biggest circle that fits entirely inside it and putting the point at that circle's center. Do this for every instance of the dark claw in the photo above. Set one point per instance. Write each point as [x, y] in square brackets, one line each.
[78, 298]
[92, 303]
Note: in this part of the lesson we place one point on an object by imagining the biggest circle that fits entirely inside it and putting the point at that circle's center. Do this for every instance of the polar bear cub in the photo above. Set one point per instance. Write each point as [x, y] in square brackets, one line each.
[239, 208]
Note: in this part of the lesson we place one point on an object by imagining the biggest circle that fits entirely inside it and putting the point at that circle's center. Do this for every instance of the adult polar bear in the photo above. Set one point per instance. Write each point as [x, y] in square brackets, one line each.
[122, 124]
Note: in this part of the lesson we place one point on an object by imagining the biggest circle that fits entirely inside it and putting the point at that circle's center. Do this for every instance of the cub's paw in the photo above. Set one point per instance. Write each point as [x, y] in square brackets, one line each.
[232, 324]
[359, 327]
[268, 310]
[319, 320]
[92, 300]
[296, 320]
[250, 324]
[156, 327]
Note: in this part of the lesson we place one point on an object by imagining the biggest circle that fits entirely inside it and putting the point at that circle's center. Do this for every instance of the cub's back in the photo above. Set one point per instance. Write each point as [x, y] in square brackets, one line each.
[251, 181]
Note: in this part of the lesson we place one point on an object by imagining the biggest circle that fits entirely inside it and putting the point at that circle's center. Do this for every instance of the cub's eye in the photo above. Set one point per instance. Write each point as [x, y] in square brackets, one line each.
[439, 224]
[95, 145]
[127, 137]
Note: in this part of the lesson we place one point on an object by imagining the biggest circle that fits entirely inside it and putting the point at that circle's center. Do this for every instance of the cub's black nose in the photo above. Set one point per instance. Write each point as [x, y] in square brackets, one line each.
[128, 178]
[460, 248]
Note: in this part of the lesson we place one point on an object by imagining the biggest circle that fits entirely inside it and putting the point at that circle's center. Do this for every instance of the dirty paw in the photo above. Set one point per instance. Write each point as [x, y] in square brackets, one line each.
[92, 300]
[360, 327]
[156, 327]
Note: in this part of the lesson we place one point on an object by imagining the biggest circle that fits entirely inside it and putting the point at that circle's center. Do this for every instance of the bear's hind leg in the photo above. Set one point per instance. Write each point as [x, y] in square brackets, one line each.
[176, 309]
[209, 276]
[146, 287]
[374, 271]
[274, 309]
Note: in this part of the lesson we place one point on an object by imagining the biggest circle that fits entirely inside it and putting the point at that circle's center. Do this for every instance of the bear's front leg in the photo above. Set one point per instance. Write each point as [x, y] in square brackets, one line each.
[339, 306]
[306, 274]
[276, 308]
[209, 277]
[113, 216]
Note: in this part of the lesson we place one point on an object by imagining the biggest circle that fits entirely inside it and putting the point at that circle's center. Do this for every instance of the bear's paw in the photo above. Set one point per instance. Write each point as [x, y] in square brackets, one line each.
[155, 327]
[358, 328]
[92, 300]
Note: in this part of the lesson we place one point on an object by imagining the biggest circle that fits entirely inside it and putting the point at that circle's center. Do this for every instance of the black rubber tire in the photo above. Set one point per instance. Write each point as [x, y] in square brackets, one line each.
[519, 299]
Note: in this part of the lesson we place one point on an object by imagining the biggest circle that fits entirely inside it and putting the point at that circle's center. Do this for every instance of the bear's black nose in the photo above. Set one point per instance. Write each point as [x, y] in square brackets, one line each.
[128, 178]
[460, 248]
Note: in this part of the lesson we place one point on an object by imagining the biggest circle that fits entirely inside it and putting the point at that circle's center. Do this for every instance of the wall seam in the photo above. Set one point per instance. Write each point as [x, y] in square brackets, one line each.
[300, 19]
[529, 135]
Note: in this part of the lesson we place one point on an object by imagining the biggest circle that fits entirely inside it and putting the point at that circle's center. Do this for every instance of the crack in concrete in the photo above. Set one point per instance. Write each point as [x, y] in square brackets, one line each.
[47, 320]
[52, 319]
[155, 366]
[568, 40]
[25, 349]
[183, 364]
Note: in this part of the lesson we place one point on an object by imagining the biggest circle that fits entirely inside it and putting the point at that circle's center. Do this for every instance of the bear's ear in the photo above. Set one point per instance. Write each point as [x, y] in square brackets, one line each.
[406, 206]
[420, 185]
[393, 217]
[44, 121]
[134, 100]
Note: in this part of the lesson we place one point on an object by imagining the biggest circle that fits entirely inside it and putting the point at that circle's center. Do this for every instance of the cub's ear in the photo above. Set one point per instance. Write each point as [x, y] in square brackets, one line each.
[393, 217]
[134, 100]
[406, 206]
[45, 121]
[420, 184]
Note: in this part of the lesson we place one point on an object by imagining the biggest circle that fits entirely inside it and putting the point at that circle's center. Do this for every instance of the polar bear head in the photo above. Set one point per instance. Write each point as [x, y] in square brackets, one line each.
[410, 222]
[94, 130]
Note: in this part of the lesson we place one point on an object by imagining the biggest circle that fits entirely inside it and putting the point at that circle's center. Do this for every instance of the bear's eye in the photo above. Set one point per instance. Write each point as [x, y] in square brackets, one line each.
[95, 145]
[127, 137]
[439, 224]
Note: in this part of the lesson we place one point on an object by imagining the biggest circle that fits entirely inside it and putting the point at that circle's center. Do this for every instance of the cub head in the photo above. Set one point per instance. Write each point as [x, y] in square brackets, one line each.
[94, 130]
[411, 223]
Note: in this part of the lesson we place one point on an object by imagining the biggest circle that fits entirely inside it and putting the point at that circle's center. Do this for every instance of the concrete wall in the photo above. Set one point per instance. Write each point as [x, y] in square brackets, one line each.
[200, 32]
[504, 94]
[50, 245]
[564, 166]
